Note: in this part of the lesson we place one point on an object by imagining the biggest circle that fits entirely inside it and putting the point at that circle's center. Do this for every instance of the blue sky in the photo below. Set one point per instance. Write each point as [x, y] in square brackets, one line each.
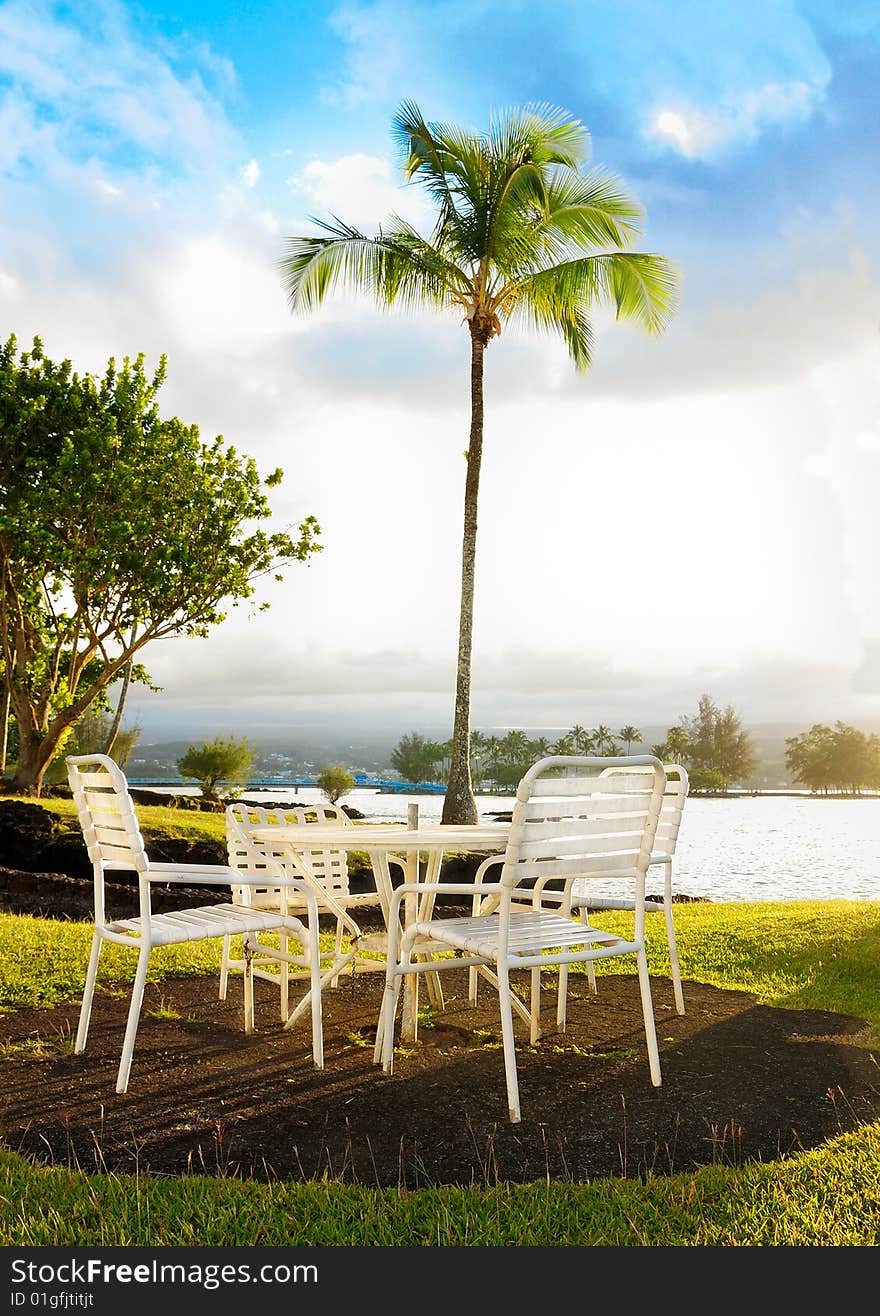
[152, 159]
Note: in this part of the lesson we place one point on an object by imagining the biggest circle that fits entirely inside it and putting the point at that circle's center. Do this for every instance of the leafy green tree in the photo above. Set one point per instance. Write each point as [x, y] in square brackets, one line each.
[91, 736]
[630, 736]
[414, 758]
[717, 742]
[335, 781]
[521, 232]
[841, 759]
[116, 528]
[707, 779]
[217, 760]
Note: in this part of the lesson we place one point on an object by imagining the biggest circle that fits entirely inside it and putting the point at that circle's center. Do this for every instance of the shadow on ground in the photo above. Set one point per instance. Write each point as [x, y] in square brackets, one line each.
[742, 1082]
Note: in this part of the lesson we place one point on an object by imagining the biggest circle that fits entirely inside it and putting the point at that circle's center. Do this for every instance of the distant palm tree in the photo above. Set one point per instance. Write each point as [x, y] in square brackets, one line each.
[677, 744]
[581, 739]
[604, 742]
[479, 746]
[520, 232]
[564, 745]
[630, 735]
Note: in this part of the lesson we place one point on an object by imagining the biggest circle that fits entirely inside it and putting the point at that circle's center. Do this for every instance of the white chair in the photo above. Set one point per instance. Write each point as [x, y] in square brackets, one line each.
[327, 879]
[113, 839]
[668, 827]
[569, 823]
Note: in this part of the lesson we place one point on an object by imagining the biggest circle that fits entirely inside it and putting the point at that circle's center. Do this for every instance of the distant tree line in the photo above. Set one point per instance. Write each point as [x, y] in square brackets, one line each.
[712, 744]
[838, 758]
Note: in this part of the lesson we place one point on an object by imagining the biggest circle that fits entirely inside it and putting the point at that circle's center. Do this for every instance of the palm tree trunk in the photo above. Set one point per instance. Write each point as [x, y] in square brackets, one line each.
[459, 805]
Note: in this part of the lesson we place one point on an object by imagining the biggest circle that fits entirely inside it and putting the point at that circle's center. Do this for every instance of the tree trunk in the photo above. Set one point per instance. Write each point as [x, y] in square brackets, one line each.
[34, 757]
[36, 748]
[120, 709]
[4, 731]
[459, 805]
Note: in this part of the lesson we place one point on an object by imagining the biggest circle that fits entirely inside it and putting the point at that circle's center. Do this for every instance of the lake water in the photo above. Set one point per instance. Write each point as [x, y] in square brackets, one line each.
[749, 848]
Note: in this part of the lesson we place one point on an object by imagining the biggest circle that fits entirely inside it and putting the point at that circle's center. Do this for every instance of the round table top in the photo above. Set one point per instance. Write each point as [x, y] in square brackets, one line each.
[386, 836]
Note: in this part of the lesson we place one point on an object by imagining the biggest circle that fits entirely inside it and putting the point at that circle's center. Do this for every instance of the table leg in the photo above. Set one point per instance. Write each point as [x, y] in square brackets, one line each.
[409, 1030]
[426, 911]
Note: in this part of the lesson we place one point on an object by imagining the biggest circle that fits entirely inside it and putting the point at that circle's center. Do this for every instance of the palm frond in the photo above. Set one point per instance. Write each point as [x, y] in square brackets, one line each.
[641, 287]
[394, 267]
[644, 287]
[550, 134]
[591, 210]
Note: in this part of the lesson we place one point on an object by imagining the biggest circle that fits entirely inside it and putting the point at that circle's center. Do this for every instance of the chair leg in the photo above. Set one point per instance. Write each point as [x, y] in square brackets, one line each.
[673, 958]
[134, 1013]
[535, 1031]
[648, 1013]
[562, 998]
[591, 972]
[284, 977]
[472, 986]
[248, 986]
[509, 1045]
[224, 966]
[85, 1012]
[315, 980]
[389, 1010]
[337, 949]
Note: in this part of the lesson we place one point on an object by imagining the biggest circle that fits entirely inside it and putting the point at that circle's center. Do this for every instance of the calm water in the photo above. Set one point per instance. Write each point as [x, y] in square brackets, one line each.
[752, 848]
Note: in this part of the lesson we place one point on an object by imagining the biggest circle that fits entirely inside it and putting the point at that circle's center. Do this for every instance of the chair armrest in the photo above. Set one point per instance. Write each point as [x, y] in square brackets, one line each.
[233, 878]
[440, 888]
[478, 881]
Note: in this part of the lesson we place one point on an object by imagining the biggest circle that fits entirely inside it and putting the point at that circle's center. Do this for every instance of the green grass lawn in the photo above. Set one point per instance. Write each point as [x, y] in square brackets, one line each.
[804, 954]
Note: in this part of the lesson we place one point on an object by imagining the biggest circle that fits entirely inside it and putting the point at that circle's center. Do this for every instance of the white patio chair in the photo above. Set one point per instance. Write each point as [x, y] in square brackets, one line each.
[663, 853]
[328, 881]
[113, 839]
[569, 823]
[589, 902]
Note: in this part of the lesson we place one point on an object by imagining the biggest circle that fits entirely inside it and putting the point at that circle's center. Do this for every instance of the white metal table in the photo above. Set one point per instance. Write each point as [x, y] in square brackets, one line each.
[380, 840]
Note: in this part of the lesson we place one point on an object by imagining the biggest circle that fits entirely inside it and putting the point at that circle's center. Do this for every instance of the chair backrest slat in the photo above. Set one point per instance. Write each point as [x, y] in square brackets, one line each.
[571, 821]
[109, 823]
[671, 810]
[330, 865]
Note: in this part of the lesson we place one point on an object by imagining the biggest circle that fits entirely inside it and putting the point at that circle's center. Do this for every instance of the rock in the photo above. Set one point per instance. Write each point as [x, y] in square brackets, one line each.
[55, 895]
[24, 830]
[192, 803]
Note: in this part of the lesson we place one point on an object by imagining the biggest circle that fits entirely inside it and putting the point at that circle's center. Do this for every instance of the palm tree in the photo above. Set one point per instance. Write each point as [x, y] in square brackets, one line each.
[521, 232]
[630, 735]
[677, 743]
[581, 739]
[604, 742]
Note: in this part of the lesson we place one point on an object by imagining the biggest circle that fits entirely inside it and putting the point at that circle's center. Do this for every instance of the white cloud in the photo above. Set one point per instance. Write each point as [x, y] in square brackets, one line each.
[250, 174]
[108, 191]
[97, 85]
[695, 133]
[360, 189]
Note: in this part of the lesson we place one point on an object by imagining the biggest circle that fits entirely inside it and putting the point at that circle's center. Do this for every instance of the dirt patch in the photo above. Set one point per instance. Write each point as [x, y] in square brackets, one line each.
[741, 1082]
